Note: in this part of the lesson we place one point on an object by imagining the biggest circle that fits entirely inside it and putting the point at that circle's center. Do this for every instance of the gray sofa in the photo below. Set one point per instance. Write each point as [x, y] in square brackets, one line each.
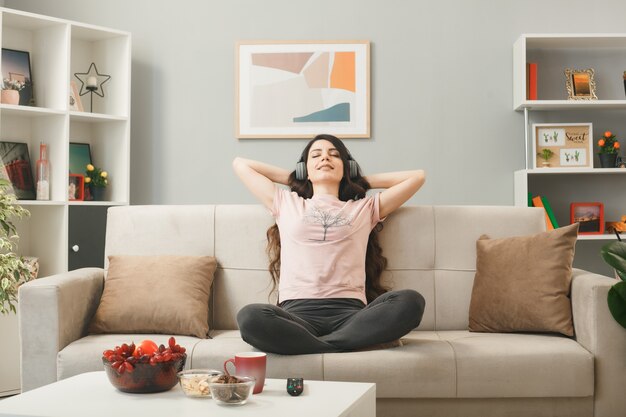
[441, 370]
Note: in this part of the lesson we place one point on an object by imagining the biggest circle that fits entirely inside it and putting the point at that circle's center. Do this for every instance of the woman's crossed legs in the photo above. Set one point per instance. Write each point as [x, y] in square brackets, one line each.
[330, 325]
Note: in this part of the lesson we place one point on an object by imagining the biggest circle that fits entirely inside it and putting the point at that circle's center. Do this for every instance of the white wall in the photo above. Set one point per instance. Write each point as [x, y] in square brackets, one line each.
[441, 86]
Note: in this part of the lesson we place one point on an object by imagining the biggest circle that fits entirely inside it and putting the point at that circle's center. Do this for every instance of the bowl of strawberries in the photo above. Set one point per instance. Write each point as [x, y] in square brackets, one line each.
[146, 367]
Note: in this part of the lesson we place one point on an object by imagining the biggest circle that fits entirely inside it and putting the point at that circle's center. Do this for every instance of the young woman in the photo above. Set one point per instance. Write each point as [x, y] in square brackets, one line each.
[325, 254]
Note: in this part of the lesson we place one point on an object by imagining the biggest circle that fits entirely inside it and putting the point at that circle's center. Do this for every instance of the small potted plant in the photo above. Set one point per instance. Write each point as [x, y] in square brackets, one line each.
[546, 154]
[11, 91]
[13, 269]
[97, 180]
[609, 147]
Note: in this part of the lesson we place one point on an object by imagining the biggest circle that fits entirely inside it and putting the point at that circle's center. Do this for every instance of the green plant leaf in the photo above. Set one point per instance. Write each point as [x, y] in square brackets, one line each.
[616, 300]
[614, 254]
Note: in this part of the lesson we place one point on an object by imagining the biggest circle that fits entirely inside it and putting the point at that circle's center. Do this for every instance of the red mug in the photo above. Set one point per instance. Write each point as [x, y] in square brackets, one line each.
[250, 364]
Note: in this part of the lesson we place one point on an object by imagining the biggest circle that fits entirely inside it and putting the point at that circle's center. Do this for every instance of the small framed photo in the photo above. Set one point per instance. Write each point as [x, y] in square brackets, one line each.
[76, 187]
[75, 103]
[562, 145]
[80, 156]
[580, 84]
[590, 216]
[16, 70]
[16, 168]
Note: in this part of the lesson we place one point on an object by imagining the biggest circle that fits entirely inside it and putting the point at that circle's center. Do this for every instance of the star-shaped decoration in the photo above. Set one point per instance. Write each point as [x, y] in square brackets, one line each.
[91, 81]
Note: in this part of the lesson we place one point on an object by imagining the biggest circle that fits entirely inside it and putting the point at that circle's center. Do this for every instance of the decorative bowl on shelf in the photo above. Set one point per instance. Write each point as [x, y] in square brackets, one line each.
[195, 382]
[225, 392]
[145, 377]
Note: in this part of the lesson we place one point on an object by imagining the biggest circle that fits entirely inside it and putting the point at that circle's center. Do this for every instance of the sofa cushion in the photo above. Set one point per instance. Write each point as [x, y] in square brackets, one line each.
[445, 364]
[156, 294]
[85, 354]
[423, 367]
[522, 283]
[509, 365]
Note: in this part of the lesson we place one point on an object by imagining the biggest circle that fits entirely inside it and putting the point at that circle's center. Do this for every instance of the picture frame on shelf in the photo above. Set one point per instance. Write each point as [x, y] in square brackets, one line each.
[75, 102]
[76, 187]
[298, 89]
[80, 157]
[562, 145]
[17, 169]
[590, 217]
[580, 84]
[16, 70]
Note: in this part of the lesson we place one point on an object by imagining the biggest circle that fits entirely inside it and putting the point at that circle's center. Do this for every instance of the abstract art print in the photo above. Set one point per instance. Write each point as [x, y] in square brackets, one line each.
[301, 89]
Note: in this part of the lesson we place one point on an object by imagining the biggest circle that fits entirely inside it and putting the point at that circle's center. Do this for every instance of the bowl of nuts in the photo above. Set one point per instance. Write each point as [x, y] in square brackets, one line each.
[231, 389]
[195, 382]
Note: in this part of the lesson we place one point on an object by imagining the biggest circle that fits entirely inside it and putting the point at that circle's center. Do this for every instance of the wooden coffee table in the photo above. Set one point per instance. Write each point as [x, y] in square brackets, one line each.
[92, 394]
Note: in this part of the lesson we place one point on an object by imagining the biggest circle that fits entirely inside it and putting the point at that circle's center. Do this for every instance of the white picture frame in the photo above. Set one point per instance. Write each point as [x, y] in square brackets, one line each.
[298, 89]
[570, 143]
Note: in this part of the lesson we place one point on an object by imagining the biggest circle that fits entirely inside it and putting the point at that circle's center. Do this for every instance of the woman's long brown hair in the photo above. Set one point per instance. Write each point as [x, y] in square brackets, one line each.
[349, 189]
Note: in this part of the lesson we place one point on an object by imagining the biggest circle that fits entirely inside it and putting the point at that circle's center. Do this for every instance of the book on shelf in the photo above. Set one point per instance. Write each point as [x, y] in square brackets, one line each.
[531, 81]
[538, 201]
[546, 205]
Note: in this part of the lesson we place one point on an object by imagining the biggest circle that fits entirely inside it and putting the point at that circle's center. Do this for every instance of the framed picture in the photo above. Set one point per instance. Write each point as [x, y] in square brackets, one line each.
[562, 145]
[303, 88]
[590, 216]
[75, 103]
[580, 84]
[76, 187]
[16, 168]
[80, 156]
[16, 67]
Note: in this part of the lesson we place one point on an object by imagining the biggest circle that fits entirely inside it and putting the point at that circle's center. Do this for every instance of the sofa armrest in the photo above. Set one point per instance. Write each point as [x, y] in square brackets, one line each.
[53, 312]
[599, 333]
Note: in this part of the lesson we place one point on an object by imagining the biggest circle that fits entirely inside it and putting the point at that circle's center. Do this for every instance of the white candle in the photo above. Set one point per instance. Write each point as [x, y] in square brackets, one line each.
[92, 81]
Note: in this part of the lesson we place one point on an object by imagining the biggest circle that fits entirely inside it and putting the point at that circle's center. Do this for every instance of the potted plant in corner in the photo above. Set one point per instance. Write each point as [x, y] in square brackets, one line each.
[13, 269]
[546, 154]
[614, 254]
[609, 146]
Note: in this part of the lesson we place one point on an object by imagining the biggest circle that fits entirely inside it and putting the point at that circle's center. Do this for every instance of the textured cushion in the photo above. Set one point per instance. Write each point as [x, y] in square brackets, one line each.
[522, 283]
[156, 294]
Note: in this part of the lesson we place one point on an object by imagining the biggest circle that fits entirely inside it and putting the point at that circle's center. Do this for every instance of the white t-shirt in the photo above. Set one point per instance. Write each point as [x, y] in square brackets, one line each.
[323, 244]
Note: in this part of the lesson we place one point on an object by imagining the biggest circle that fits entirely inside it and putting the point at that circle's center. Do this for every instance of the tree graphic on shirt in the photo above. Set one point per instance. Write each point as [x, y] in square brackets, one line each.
[326, 219]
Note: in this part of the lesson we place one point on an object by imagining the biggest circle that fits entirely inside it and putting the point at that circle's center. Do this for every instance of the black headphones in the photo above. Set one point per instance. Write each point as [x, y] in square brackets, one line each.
[301, 173]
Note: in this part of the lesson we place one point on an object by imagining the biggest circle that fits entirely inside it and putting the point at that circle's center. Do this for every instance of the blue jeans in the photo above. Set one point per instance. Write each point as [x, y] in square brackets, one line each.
[330, 325]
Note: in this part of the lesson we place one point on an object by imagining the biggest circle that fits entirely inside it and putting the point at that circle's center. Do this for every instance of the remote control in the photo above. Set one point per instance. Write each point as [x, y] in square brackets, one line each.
[295, 386]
